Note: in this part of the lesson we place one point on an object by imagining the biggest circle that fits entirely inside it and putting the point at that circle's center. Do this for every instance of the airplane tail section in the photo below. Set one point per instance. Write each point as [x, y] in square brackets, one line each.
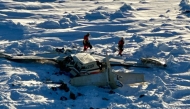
[93, 79]
[131, 78]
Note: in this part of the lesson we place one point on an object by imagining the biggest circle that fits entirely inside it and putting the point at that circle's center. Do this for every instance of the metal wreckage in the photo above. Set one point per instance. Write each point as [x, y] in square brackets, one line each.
[90, 69]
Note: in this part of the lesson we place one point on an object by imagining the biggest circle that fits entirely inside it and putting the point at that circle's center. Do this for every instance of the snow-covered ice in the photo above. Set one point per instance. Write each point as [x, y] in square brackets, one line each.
[151, 28]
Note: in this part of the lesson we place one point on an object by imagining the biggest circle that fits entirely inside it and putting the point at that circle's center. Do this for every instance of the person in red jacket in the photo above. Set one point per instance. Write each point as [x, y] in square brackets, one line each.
[86, 42]
[120, 46]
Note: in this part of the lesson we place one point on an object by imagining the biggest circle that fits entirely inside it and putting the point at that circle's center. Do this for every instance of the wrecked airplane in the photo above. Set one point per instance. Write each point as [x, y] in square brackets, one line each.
[87, 69]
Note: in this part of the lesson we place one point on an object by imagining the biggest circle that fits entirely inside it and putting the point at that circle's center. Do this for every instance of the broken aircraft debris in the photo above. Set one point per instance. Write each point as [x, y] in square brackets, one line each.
[89, 69]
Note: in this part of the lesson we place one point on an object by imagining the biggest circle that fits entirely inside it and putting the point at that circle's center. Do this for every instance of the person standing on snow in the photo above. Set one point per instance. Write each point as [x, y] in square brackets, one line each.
[86, 42]
[120, 46]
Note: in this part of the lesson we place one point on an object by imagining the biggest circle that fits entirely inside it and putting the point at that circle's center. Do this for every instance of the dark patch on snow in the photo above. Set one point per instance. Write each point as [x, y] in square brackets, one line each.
[64, 87]
[72, 96]
[63, 98]
[141, 96]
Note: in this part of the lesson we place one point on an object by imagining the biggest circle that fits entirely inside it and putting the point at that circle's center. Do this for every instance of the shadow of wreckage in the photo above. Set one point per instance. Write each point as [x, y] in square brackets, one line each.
[89, 69]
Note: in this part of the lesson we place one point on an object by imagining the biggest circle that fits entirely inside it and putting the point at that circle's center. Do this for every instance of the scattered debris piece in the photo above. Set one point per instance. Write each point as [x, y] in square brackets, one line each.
[64, 87]
[63, 98]
[105, 99]
[141, 96]
[72, 96]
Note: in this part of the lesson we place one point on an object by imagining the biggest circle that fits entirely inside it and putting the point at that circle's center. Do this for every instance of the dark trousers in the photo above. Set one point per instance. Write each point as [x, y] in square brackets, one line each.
[120, 50]
[86, 45]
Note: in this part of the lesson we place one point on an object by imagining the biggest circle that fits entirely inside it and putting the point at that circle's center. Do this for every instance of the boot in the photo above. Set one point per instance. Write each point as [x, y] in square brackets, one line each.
[120, 53]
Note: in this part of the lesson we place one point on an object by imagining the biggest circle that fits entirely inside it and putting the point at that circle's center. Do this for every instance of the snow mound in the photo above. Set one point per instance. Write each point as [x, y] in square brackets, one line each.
[26, 47]
[42, 1]
[178, 50]
[150, 50]
[67, 22]
[8, 26]
[117, 14]
[126, 8]
[3, 5]
[49, 25]
[34, 7]
[185, 5]
[165, 47]
[159, 81]
[185, 8]
[72, 17]
[157, 29]
[137, 38]
[101, 8]
[31, 7]
[95, 15]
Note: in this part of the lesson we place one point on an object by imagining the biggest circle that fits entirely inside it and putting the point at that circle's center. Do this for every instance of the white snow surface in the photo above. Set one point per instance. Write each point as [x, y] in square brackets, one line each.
[151, 28]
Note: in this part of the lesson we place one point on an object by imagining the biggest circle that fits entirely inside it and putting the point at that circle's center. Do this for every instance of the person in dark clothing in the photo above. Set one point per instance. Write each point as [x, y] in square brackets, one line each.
[120, 46]
[86, 42]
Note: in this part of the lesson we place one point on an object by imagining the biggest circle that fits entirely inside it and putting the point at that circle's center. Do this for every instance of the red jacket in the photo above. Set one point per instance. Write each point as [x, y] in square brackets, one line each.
[86, 41]
[86, 38]
[121, 43]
